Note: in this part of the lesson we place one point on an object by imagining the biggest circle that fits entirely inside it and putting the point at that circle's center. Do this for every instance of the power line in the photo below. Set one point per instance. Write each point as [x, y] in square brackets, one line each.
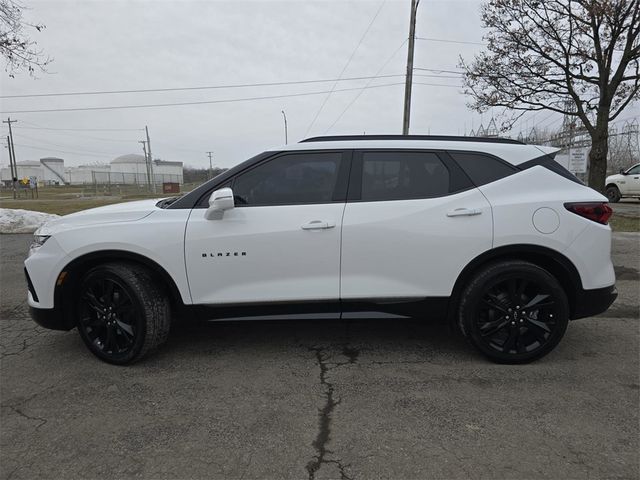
[208, 87]
[99, 139]
[437, 84]
[204, 102]
[395, 52]
[64, 151]
[345, 67]
[439, 70]
[26, 137]
[435, 76]
[87, 129]
[450, 41]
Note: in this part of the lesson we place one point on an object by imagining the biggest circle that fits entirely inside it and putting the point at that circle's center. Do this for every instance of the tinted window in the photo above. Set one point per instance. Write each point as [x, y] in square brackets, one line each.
[482, 169]
[402, 175]
[634, 171]
[290, 179]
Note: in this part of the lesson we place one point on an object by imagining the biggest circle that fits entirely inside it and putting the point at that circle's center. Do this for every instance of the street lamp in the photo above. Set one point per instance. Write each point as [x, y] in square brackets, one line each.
[286, 135]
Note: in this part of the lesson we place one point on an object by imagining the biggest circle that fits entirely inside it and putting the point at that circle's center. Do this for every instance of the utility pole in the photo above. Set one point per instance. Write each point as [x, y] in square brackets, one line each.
[286, 134]
[12, 157]
[11, 165]
[146, 163]
[210, 165]
[153, 179]
[409, 80]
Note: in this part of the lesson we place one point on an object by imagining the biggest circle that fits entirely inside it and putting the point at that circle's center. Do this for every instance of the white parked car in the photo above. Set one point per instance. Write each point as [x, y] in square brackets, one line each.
[491, 234]
[624, 184]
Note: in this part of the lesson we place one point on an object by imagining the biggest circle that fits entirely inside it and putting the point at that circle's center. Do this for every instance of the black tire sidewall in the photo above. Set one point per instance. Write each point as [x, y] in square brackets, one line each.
[615, 198]
[107, 272]
[475, 291]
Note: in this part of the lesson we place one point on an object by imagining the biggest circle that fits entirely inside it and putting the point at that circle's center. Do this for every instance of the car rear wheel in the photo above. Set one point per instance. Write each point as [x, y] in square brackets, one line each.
[122, 314]
[514, 312]
[613, 194]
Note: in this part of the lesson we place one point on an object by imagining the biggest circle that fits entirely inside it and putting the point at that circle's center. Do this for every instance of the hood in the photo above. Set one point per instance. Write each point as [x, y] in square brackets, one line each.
[614, 178]
[119, 212]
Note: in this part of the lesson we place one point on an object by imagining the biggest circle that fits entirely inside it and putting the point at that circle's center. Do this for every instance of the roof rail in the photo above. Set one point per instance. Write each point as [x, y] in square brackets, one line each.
[450, 138]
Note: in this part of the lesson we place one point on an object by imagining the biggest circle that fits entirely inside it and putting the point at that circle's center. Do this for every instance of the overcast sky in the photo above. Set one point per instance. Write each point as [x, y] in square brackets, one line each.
[123, 45]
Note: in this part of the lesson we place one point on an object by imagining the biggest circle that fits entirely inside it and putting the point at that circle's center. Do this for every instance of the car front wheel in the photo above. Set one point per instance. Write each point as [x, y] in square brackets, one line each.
[513, 312]
[122, 314]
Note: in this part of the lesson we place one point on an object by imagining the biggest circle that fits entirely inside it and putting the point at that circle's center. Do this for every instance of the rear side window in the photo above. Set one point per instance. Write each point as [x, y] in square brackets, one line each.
[548, 162]
[394, 175]
[483, 169]
[289, 180]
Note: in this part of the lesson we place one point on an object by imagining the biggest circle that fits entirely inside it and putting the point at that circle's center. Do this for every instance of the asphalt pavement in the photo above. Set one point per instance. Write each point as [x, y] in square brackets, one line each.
[319, 400]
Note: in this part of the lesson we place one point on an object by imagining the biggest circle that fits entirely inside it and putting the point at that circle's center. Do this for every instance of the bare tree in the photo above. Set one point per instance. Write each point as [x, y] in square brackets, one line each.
[554, 54]
[19, 51]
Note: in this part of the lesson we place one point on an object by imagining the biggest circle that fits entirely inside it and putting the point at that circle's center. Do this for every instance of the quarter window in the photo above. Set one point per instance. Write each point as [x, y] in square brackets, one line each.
[289, 180]
[482, 169]
[389, 175]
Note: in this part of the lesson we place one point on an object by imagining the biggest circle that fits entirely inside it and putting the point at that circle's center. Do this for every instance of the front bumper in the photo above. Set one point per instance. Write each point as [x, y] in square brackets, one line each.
[51, 318]
[592, 302]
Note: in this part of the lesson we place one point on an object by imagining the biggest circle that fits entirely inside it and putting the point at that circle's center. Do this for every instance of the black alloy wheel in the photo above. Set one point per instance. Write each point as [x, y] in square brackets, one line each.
[122, 313]
[514, 315]
[613, 194]
[109, 317]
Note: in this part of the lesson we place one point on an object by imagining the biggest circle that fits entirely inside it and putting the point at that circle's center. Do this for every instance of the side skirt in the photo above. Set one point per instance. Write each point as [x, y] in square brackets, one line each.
[399, 308]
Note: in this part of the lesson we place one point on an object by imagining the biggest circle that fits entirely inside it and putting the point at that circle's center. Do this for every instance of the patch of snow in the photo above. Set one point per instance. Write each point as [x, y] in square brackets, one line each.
[13, 220]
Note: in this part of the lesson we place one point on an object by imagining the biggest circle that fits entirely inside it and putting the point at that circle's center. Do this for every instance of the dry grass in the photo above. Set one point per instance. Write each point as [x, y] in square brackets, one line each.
[67, 199]
[621, 223]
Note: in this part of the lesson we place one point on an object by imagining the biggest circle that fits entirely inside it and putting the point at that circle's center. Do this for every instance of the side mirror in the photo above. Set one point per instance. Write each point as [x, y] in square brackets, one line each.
[622, 171]
[219, 201]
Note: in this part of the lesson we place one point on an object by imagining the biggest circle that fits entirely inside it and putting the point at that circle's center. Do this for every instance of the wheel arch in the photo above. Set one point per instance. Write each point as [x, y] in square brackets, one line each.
[78, 266]
[551, 260]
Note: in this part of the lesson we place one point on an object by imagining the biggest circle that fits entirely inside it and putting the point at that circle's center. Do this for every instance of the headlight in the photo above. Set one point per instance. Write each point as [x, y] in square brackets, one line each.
[38, 241]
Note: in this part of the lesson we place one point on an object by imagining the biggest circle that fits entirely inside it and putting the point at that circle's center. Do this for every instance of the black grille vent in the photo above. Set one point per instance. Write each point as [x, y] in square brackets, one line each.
[30, 285]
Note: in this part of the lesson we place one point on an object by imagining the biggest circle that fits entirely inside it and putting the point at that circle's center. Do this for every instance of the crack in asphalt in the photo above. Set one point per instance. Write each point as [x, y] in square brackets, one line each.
[28, 417]
[324, 413]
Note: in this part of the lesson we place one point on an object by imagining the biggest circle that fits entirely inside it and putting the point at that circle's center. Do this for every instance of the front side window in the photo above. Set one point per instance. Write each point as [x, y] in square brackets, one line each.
[389, 175]
[288, 180]
[634, 170]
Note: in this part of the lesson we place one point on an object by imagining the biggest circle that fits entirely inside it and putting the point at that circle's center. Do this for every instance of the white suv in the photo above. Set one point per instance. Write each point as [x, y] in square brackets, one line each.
[624, 184]
[491, 234]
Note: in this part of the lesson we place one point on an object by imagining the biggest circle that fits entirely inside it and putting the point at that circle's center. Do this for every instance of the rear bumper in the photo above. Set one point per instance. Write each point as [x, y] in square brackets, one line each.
[51, 318]
[592, 302]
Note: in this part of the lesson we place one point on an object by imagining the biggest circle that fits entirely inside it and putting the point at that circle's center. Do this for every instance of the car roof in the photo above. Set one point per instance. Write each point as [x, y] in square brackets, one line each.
[512, 151]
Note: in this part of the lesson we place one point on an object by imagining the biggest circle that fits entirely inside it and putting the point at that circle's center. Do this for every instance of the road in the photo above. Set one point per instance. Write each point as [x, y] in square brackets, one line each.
[319, 400]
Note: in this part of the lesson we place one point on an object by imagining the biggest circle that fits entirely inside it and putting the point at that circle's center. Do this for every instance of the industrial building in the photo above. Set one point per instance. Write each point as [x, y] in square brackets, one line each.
[128, 169]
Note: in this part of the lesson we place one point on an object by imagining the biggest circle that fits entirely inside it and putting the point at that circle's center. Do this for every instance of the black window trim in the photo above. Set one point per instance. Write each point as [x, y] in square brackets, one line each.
[340, 190]
[562, 171]
[354, 194]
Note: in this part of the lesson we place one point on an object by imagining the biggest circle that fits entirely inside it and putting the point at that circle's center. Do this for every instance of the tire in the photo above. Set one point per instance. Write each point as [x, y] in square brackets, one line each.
[122, 313]
[513, 312]
[613, 194]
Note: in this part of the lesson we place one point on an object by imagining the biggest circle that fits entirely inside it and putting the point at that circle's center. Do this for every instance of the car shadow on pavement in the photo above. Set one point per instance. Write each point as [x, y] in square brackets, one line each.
[391, 338]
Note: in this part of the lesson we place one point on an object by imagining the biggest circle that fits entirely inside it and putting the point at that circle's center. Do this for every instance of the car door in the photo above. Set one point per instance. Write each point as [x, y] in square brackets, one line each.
[413, 221]
[632, 178]
[281, 242]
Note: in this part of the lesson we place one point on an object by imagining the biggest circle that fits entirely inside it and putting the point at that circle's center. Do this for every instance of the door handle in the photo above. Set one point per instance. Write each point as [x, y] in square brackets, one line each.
[317, 225]
[464, 212]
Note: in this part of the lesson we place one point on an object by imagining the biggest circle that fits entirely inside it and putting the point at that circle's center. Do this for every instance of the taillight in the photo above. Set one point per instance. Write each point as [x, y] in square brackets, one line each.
[597, 212]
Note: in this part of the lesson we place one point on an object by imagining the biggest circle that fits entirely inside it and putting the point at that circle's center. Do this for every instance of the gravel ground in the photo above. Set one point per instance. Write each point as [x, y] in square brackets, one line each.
[319, 400]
